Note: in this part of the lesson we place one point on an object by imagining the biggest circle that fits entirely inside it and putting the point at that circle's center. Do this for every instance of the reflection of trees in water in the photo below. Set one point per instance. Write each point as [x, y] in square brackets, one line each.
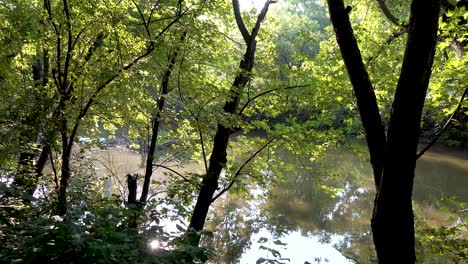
[439, 174]
[232, 222]
[334, 197]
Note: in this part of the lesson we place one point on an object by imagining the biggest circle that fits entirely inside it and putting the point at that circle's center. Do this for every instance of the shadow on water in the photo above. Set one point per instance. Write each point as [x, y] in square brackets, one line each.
[322, 215]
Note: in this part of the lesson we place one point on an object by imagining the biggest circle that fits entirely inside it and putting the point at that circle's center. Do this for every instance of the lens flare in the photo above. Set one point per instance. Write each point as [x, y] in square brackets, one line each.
[154, 244]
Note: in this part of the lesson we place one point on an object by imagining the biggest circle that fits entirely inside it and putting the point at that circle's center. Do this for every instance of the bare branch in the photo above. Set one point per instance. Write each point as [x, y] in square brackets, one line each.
[142, 16]
[176, 173]
[238, 172]
[389, 14]
[449, 121]
[54, 170]
[270, 91]
[390, 39]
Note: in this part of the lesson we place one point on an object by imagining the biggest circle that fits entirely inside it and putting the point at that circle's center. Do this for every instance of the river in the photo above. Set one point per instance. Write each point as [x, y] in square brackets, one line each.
[315, 216]
[304, 219]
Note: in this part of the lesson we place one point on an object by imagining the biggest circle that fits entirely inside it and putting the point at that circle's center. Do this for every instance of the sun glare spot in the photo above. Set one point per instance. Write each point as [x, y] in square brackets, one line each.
[154, 244]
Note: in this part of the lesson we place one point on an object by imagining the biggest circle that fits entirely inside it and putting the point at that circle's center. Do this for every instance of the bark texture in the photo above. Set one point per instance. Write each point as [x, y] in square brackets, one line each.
[393, 220]
[393, 157]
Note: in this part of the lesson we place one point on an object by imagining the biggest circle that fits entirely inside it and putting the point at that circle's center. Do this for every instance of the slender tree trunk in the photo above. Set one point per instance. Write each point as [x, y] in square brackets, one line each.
[218, 156]
[65, 170]
[393, 161]
[362, 86]
[65, 176]
[132, 189]
[209, 184]
[164, 90]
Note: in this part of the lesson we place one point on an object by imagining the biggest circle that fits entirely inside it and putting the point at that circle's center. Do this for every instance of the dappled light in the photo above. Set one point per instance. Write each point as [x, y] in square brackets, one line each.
[233, 131]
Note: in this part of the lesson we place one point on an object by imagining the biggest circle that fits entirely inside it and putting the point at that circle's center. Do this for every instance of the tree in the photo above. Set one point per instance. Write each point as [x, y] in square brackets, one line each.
[25, 107]
[79, 77]
[393, 156]
[218, 156]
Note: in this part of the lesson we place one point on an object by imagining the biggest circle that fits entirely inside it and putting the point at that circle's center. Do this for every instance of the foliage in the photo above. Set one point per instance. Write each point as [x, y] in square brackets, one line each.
[296, 108]
[447, 241]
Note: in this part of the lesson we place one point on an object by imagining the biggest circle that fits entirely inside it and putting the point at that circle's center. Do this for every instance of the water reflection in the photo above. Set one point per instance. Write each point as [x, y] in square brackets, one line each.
[325, 212]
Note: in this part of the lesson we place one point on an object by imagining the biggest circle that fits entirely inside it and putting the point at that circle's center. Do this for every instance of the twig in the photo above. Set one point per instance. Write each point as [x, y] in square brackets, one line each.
[389, 14]
[52, 164]
[238, 172]
[434, 140]
[177, 173]
[270, 91]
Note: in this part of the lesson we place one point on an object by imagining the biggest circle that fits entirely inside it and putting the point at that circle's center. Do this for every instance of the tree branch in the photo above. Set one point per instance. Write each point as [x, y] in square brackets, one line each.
[390, 39]
[68, 86]
[362, 86]
[270, 91]
[434, 140]
[93, 97]
[260, 18]
[54, 170]
[142, 16]
[202, 146]
[98, 42]
[238, 172]
[389, 14]
[177, 173]
[240, 21]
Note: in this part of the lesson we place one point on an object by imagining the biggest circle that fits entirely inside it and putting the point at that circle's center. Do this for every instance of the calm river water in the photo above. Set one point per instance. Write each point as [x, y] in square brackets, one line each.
[306, 219]
[303, 220]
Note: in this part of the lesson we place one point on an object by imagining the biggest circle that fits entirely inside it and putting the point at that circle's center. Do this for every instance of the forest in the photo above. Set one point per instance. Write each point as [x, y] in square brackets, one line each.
[233, 131]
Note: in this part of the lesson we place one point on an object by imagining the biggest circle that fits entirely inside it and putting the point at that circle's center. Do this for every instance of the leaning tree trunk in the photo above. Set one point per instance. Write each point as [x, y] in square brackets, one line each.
[218, 156]
[393, 161]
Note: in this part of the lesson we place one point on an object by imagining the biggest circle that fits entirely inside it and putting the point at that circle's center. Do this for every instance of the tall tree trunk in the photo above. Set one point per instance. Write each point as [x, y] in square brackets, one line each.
[393, 220]
[65, 176]
[218, 156]
[393, 161]
[67, 144]
[209, 184]
[362, 86]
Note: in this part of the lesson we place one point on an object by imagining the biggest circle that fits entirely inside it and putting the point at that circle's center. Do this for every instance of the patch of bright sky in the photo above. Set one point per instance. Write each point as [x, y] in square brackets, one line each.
[246, 5]
[299, 249]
